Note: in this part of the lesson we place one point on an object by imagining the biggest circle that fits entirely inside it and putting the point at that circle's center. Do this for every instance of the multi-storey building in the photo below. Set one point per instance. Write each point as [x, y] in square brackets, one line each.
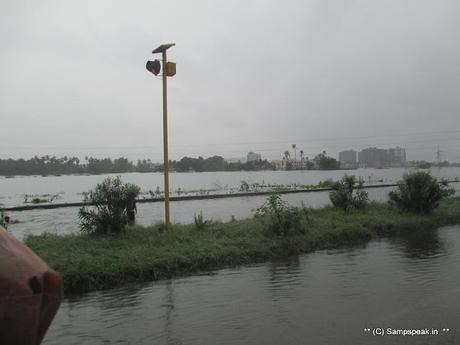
[397, 156]
[348, 159]
[378, 158]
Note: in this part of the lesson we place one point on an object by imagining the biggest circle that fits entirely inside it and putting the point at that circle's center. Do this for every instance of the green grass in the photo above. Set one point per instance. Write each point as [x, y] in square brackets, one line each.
[147, 253]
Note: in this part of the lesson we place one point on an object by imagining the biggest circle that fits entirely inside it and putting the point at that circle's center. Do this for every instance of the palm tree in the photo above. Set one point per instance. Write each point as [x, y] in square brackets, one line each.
[301, 155]
[287, 155]
[294, 146]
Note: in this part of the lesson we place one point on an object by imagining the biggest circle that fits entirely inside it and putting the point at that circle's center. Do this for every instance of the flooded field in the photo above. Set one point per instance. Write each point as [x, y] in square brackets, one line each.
[70, 189]
[16, 191]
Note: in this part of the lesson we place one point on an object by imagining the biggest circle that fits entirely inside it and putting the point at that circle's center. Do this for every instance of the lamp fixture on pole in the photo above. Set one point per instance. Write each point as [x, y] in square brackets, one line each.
[169, 70]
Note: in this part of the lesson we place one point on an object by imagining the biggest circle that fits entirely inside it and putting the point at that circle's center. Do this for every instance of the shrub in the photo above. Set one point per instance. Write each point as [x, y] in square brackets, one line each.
[282, 219]
[329, 183]
[419, 192]
[199, 221]
[2, 219]
[244, 186]
[348, 194]
[108, 213]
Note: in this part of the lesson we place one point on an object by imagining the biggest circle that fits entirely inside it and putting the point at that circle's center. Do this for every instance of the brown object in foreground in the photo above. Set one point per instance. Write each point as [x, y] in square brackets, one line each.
[30, 293]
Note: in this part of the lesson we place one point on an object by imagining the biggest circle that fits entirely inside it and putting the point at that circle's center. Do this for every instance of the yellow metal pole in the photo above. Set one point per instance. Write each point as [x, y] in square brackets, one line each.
[165, 140]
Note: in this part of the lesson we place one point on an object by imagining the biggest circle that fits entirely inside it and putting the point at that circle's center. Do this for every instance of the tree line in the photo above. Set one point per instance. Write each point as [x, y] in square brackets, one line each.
[218, 163]
[321, 162]
[51, 165]
[47, 165]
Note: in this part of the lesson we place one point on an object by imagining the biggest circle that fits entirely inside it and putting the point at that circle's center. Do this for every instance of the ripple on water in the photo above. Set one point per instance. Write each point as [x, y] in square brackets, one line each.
[321, 298]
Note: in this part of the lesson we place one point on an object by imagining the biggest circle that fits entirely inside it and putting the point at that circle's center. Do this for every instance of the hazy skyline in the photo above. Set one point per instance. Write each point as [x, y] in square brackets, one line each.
[251, 76]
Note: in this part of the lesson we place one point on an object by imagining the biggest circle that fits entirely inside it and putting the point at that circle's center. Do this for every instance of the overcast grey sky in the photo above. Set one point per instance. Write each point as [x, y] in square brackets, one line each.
[251, 75]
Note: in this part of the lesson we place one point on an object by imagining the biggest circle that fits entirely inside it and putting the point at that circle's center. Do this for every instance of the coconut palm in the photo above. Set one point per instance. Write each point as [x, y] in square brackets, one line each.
[287, 155]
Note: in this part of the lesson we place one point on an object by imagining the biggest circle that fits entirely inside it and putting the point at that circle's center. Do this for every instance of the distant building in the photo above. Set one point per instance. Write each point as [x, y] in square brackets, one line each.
[373, 157]
[300, 165]
[397, 156]
[254, 157]
[279, 164]
[347, 159]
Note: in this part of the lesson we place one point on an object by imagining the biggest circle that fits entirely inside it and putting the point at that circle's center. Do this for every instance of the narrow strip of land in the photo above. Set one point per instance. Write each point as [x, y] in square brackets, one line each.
[147, 253]
[197, 197]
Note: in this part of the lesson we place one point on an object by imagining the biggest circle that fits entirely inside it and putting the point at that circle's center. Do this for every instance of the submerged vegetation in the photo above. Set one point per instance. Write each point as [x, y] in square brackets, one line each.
[2, 218]
[200, 222]
[420, 192]
[348, 194]
[111, 201]
[42, 198]
[145, 253]
[104, 256]
[281, 219]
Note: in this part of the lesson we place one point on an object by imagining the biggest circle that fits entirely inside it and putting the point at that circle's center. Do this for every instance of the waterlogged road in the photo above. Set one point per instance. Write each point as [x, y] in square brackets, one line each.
[327, 298]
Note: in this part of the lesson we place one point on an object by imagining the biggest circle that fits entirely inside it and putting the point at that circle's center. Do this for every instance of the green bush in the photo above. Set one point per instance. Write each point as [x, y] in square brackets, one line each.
[348, 194]
[420, 192]
[282, 219]
[200, 222]
[2, 219]
[329, 183]
[109, 202]
[244, 186]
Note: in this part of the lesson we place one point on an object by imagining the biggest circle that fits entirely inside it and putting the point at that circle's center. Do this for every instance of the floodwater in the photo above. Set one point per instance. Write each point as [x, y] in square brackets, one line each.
[327, 298]
[13, 191]
[69, 188]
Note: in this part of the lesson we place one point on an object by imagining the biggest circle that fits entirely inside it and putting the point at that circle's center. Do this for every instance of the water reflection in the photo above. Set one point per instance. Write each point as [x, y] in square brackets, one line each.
[282, 269]
[421, 244]
[283, 277]
[126, 297]
[169, 314]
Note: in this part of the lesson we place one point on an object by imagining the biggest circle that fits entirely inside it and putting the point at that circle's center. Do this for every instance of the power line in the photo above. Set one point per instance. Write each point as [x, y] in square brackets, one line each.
[290, 141]
[233, 152]
[158, 149]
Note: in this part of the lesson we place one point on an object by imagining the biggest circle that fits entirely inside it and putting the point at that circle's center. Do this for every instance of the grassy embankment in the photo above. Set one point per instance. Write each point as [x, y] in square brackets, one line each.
[140, 254]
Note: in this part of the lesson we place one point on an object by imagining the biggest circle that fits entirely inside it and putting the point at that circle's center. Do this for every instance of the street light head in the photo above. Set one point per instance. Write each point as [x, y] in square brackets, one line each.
[163, 48]
[153, 66]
